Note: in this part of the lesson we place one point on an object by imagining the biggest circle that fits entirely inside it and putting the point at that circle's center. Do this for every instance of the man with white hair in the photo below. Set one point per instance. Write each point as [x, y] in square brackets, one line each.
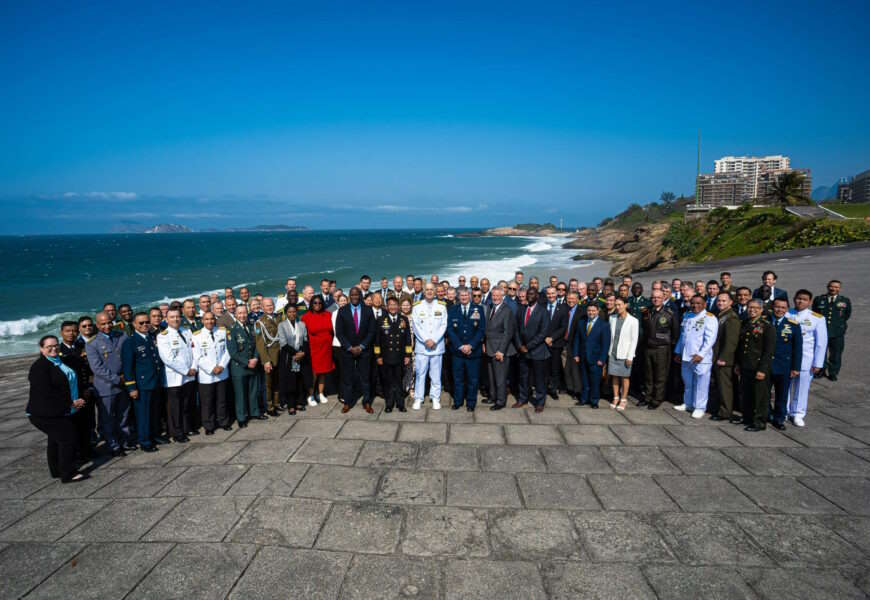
[429, 318]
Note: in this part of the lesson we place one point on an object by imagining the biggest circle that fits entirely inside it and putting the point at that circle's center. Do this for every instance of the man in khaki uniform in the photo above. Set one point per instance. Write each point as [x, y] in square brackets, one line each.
[723, 356]
[268, 349]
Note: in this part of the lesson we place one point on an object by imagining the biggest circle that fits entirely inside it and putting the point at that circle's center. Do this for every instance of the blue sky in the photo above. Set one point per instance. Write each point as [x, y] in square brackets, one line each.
[391, 114]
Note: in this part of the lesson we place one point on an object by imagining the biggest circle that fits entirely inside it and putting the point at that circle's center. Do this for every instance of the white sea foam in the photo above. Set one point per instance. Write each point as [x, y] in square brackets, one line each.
[20, 327]
[538, 247]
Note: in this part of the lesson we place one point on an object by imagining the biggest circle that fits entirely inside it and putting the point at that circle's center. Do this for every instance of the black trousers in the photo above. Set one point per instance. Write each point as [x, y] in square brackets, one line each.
[62, 444]
[656, 371]
[536, 370]
[355, 371]
[756, 398]
[391, 380]
[214, 404]
[638, 369]
[84, 426]
[554, 382]
[292, 388]
[179, 407]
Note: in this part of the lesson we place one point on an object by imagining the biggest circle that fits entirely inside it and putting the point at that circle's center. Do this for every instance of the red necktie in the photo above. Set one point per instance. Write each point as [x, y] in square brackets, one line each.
[528, 314]
[356, 320]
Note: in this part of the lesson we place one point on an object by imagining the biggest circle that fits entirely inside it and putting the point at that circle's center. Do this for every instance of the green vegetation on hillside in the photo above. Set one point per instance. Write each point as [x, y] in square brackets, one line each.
[724, 233]
[534, 226]
[669, 208]
[854, 211]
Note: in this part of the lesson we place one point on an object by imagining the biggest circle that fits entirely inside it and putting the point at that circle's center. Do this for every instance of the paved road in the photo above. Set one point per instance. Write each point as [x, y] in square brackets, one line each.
[571, 503]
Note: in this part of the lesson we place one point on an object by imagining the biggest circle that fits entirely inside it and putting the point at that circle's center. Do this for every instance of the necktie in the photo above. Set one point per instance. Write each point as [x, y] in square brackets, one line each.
[212, 335]
[528, 314]
[589, 327]
[552, 308]
[356, 320]
[492, 311]
[465, 311]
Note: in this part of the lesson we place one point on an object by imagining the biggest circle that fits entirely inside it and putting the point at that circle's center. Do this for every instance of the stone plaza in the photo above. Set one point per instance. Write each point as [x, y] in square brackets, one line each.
[569, 503]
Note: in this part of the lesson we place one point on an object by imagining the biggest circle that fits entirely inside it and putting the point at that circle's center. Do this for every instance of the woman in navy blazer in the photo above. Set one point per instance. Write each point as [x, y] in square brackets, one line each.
[590, 348]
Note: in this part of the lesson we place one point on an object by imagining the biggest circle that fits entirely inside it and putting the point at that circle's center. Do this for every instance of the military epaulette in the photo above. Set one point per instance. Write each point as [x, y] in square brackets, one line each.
[90, 340]
[817, 314]
[222, 328]
[792, 321]
[408, 349]
[442, 302]
[164, 332]
[195, 332]
[709, 314]
[377, 349]
[417, 302]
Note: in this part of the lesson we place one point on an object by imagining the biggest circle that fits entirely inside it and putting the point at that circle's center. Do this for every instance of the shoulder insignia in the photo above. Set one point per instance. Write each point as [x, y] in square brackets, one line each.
[417, 302]
[222, 328]
[792, 321]
[196, 332]
[164, 332]
[816, 314]
[709, 314]
[91, 340]
[442, 303]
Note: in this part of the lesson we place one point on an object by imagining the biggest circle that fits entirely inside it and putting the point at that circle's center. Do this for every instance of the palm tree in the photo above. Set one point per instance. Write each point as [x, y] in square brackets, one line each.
[787, 190]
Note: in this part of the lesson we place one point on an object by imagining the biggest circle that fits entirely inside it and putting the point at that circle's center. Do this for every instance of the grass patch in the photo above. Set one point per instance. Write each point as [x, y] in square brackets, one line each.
[848, 209]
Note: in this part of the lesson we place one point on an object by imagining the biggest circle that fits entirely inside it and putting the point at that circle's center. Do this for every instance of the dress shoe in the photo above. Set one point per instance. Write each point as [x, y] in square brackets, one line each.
[487, 401]
[118, 452]
[519, 404]
[496, 407]
[368, 408]
[388, 410]
[651, 406]
[243, 424]
[469, 408]
[455, 406]
[345, 409]
[754, 428]
[194, 432]
[736, 420]
[642, 403]
[593, 406]
[227, 427]
[403, 409]
[539, 409]
[778, 426]
[130, 447]
[553, 394]
[301, 408]
[76, 477]
[149, 449]
[832, 377]
[209, 432]
[717, 418]
[273, 413]
[262, 417]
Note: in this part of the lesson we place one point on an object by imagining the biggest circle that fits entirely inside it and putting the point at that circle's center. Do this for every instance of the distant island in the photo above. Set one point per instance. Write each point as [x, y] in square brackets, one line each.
[541, 229]
[168, 228]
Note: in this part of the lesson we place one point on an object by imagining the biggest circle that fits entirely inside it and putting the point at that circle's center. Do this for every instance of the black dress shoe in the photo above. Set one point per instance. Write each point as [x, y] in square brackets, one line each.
[130, 447]
[403, 409]
[455, 406]
[651, 406]
[149, 449]
[388, 410]
[262, 418]
[717, 418]
[209, 432]
[778, 426]
[642, 403]
[832, 377]
[754, 428]
[75, 478]
[118, 452]
[243, 425]
[182, 440]
[736, 420]
[593, 406]
[227, 427]
[553, 394]
[273, 413]
[469, 408]
[193, 432]
[487, 401]
[496, 407]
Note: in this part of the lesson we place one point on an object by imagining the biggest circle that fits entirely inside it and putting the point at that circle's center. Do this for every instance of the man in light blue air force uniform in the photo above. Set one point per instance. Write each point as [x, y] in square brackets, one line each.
[694, 351]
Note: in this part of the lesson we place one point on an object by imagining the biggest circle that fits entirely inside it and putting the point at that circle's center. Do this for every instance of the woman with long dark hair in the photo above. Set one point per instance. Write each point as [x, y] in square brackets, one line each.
[318, 323]
[293, 360]
[54, 398]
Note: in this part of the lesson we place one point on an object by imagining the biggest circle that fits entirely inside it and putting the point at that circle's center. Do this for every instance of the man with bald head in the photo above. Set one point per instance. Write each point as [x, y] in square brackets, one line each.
[104, 358]
[269, 349]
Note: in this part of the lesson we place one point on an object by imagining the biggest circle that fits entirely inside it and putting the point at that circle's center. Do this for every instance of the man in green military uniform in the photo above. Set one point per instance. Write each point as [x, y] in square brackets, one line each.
[637, 302]
[836, 310]
[269, 349]
[723, 356]
[660, 330]
[125, 323]
[188, 316]
[243, 367]
[754, 357]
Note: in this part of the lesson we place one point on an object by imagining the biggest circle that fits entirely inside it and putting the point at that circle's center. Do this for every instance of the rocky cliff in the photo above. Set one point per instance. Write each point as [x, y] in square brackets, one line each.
[630, 251]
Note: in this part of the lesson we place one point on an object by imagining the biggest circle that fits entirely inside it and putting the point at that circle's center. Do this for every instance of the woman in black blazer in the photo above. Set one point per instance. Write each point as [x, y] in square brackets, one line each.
[50, 409]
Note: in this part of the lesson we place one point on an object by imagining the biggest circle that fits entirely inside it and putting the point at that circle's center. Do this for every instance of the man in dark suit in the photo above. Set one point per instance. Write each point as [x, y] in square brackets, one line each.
[769, 279]
[324, 294]
[712, 297]
[555, 339]
[501, 328]
[355, 330]
[392, 349]
[466, 325]
[532, 323]
[485, 293]
[591, 345]
[573, 373]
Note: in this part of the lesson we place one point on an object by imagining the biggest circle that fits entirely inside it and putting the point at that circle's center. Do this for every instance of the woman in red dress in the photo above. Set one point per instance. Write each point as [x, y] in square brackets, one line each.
[320, 333]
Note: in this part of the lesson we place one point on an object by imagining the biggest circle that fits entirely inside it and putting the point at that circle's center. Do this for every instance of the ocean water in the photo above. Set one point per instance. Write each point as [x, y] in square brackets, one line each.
[47, 279]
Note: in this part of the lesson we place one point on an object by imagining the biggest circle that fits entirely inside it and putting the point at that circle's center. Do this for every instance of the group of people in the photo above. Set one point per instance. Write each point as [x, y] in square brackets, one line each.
[141, 378]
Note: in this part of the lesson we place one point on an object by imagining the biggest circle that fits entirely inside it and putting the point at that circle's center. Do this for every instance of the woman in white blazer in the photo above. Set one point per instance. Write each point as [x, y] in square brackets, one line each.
[624, 333]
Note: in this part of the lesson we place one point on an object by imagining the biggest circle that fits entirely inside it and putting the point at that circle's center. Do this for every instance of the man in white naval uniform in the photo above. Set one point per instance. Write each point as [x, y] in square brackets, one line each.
[213, 365]
[694, 350]
[174, 344]
[429, 319]
[814, 330]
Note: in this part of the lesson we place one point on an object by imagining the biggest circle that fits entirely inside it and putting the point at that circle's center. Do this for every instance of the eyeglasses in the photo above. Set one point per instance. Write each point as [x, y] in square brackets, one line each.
[50, 346]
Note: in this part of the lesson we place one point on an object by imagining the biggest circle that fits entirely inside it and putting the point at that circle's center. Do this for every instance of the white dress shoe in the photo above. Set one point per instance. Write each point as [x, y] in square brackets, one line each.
[697, 413]
[680, 407]
[799, 422]
[436, 405]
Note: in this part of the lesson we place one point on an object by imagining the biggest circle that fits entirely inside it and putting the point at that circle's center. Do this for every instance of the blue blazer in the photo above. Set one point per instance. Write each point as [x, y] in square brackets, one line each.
[143, 369]
[777, 294]
[466, 330]
[789, 347]
[595, 345]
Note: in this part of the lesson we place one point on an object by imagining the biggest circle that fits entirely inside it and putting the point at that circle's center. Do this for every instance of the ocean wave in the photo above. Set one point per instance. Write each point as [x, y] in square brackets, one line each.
[19, 327]
[538, 247]
[448, 235]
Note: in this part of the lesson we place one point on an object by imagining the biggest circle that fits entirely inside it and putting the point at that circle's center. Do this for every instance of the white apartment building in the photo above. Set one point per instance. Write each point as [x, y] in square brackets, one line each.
[752, 167]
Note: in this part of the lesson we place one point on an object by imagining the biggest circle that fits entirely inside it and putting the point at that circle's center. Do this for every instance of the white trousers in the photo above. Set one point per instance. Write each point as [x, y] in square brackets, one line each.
[696, 380]
[427, 364]
[799, 393]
